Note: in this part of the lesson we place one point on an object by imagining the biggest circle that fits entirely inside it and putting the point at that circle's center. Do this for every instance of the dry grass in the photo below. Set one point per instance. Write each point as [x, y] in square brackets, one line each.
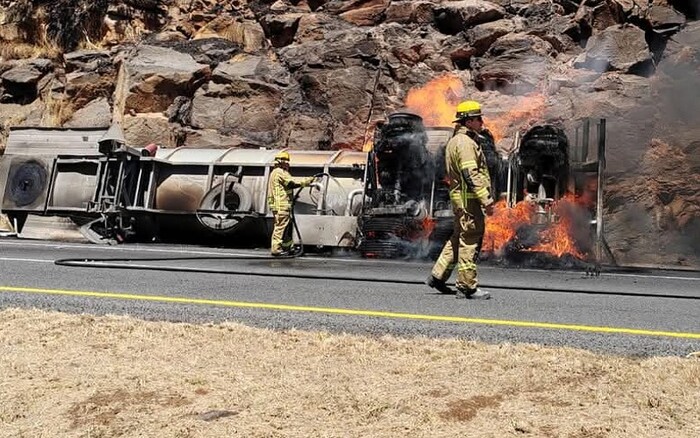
[17, 50]
[80, 376]
[13, 117]
[58, 110]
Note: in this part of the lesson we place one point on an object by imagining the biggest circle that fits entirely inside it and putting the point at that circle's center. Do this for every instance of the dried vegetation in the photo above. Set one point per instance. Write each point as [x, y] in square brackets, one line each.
[80, 376]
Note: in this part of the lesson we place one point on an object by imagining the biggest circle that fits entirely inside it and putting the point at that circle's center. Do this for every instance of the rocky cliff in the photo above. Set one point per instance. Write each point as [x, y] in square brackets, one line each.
[315, 74]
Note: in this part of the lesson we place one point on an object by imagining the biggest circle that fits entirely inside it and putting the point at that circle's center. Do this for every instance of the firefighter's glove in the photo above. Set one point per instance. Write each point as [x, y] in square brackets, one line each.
[308, 181]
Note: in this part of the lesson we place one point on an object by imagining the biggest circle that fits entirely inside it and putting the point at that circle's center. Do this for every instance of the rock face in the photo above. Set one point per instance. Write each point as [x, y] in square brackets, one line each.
[316, 74]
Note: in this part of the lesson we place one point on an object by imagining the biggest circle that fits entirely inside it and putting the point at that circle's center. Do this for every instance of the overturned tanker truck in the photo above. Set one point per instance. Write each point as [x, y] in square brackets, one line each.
[390, 202]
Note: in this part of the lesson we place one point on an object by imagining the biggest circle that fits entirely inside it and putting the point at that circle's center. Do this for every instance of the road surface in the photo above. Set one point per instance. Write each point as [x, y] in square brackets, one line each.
[628, 313]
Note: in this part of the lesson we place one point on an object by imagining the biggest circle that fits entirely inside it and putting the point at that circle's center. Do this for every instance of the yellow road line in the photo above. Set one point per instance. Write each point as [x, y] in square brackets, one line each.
[337, 311]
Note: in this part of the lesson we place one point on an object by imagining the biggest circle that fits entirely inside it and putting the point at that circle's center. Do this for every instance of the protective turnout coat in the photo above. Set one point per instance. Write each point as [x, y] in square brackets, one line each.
[279, 189]
[467, 171]
[470, 190]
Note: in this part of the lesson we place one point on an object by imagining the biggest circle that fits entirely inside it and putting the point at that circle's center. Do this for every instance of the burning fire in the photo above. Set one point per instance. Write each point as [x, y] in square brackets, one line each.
[527, 108]
[502, 225]
[437, 100]
[427, 227]
[555, 237]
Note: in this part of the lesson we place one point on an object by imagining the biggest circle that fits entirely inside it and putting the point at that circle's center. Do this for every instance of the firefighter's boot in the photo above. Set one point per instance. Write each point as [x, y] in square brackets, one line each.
[439, 285]
[473, 294]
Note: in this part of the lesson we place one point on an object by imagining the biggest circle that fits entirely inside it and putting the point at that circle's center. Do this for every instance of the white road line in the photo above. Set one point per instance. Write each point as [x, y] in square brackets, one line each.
[14, 259]
[665, 277]
[114, 248]
[181, 251]
[311, 258]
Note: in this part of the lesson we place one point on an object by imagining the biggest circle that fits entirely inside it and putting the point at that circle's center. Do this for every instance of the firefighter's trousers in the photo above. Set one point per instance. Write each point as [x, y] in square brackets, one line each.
[282, 232]
[462, 250]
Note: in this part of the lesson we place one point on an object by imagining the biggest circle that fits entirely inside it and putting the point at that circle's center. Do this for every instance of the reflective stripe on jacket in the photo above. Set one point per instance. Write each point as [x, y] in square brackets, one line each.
[464, 154]
[279, 189]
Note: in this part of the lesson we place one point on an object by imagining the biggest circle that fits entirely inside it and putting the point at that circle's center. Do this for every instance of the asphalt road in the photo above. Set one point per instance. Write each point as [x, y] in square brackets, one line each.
[638, 313]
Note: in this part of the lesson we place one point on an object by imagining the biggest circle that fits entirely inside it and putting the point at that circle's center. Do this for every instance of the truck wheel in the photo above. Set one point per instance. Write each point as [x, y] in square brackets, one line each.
[217, 217]
[237, 198]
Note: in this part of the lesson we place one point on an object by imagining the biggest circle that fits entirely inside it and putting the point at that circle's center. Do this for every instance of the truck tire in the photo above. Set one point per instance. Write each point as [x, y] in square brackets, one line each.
[237, 198]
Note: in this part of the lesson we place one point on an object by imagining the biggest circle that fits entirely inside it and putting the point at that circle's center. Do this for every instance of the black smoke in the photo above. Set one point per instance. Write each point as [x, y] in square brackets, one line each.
[544, 158]
[498, 167]
[690, 8]
[404, 164]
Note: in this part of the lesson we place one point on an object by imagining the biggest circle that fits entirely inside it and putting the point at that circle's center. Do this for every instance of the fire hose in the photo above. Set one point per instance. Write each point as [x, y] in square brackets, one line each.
[105, 262]
[123, 263]
[300, 250]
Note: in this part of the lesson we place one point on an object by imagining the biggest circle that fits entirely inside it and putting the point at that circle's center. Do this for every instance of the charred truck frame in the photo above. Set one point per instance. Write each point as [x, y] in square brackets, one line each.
[389, 202]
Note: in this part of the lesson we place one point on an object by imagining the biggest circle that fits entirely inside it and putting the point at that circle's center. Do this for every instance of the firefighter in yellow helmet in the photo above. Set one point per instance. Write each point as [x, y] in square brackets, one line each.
[471, 198]
[279, 198]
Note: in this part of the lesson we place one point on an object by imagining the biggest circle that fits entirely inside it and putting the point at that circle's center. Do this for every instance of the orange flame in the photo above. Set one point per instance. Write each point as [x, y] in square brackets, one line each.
[555, 238]
[428, 226]
[436, 101]
[528, 107]
[501, 226]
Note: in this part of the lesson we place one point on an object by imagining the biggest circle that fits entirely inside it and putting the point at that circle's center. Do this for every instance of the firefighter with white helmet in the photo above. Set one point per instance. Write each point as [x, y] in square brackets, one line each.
[471, 198]
[279, 198]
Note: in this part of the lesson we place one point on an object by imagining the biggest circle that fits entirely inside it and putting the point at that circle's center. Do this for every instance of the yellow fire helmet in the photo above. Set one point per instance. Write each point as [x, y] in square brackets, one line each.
[468, 108]
[282, 156]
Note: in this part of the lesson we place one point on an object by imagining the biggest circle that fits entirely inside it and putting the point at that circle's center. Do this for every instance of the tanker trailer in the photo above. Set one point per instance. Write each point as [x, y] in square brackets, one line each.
[204, 196]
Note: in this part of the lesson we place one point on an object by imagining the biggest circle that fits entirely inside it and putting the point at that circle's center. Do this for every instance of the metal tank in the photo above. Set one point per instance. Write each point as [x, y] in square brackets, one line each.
[117, 192]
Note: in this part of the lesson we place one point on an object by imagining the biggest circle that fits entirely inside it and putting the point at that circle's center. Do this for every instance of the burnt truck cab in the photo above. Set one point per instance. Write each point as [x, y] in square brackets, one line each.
[407, 212]
[404, 189]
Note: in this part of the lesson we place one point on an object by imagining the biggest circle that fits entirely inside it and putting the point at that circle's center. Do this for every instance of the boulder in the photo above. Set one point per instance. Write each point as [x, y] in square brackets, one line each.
[281, 29]
[141, 129]
[95, 114]
[369, 13]
[306, 131]
[659, 224]
[618, 47]
[675, 88]
[664, 18]
[482, 36]
[514, 64]
[456, 16]
[245, 107]
[156, 75]
[22, 81]
[86, 86]
[250, 67]
[410, 12]
[99, 61]
[247, 34]
[315, 26]
[336, 50]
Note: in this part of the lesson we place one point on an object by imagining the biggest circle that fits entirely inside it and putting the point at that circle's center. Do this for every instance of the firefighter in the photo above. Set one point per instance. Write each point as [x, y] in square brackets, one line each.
[279, 199]
[471, 197]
